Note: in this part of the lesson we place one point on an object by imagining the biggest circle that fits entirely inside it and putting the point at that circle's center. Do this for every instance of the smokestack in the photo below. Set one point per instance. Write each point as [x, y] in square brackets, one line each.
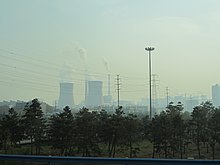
[105, 62]
[86, 93]
[66, 95]
[83, 55]
[108, 98]
[109, 85]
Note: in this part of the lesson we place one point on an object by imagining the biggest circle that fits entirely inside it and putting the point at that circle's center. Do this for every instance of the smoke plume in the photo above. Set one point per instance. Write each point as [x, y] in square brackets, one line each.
[83, 55]
[106, 64]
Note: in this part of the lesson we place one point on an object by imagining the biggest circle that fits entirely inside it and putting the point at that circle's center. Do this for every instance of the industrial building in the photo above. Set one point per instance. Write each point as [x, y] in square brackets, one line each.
[216, 95]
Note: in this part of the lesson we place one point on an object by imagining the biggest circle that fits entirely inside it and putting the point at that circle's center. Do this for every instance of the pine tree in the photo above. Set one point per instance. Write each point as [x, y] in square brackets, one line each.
[61, 131]
[34, 124]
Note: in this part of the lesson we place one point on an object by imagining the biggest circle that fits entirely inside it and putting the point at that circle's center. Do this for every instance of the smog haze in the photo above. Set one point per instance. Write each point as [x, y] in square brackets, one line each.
[43, 43]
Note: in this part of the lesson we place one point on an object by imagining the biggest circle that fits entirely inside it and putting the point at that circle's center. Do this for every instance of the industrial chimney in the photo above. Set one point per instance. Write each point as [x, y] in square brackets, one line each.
[108, 98]
[66, 95]
[109, 91]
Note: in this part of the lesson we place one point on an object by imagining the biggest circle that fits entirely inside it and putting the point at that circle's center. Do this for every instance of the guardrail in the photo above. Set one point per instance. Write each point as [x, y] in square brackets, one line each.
[96, 160]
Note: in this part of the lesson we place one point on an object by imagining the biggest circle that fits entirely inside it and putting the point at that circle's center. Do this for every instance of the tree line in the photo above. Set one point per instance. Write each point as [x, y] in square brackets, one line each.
[172, 133]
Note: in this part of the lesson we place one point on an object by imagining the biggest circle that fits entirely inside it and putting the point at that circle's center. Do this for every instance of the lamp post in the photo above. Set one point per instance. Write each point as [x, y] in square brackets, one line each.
[150, 49]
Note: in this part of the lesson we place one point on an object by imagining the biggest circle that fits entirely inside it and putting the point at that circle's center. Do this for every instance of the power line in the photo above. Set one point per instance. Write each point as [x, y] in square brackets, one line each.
[50, 66]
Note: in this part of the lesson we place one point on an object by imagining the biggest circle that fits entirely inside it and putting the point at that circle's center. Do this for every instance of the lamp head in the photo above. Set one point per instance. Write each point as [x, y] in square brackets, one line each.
[149, 48]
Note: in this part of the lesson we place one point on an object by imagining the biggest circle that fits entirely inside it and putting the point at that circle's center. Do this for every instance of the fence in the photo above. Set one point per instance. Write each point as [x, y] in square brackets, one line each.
[50, 160]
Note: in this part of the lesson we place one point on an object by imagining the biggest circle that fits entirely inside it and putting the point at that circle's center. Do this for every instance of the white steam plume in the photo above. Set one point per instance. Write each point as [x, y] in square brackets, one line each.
[83, 55]
[66, 73]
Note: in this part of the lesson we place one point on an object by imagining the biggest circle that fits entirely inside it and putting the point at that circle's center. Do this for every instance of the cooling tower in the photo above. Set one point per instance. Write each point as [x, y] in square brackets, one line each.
[94, 95]
[66, 95]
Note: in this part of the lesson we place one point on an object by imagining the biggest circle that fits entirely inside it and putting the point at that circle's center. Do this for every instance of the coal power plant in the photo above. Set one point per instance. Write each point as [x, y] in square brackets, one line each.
[93, 93]
[66, 95]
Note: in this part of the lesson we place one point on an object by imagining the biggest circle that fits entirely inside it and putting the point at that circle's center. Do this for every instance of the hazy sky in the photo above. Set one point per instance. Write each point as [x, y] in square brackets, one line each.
[43, 42]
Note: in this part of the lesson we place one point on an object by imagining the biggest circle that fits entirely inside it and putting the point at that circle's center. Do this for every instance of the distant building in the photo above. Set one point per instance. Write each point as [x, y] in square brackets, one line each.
[190, 104]
[4, 109]
[20, 105]
[107, 99]
[46, 108]
[10, 103]
[203, 98]
[216, 95]
[125, 103]
[179, 98]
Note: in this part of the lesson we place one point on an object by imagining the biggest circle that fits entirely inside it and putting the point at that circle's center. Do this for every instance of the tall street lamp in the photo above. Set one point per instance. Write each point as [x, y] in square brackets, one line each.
[149, 49]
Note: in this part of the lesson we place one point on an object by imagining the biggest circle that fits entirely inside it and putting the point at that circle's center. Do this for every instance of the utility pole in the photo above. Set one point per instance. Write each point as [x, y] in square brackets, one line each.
[167, 93]
[150, 49]
[118, 88]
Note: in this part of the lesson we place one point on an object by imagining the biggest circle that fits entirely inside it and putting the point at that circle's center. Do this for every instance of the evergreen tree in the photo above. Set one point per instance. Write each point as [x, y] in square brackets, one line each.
[104, 128]
[174, 113]
[167, 132]
[61, 131]
[117, 130]
[87, 132]
[199, 122]
[13, 124]
[213, 129]
[132, 133]
[34, 124]
[5, 135]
